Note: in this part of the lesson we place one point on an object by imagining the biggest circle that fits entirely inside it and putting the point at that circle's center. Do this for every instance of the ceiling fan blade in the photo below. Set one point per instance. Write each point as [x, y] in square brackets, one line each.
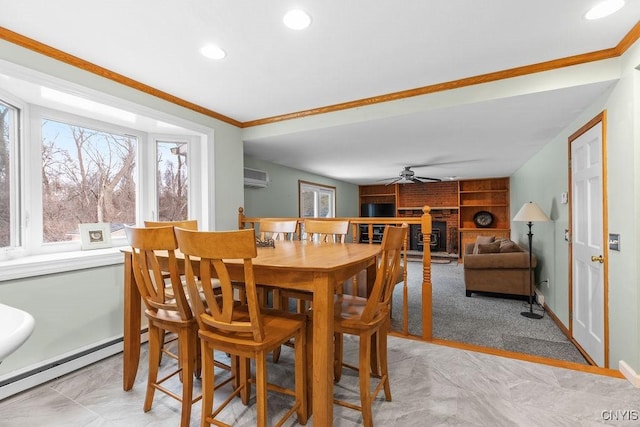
[416, 180]
[429, 179]
[394, 181]
[452, 162]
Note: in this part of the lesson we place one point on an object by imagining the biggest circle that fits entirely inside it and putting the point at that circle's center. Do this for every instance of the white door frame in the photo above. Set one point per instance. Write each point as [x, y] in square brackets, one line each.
[600, 118]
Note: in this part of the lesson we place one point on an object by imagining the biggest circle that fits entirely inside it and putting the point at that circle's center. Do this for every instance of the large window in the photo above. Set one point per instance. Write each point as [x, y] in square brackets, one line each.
[70, 155]
[87, 176]
[316, 200]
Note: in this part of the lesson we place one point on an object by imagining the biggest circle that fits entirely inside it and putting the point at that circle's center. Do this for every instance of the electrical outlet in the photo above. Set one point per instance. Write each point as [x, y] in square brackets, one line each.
[548, 283]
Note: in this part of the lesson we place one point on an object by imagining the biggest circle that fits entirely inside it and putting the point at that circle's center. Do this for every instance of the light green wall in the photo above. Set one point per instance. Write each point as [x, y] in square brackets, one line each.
[542, 180]
[72, 311]
[545, 176]
[280, 198]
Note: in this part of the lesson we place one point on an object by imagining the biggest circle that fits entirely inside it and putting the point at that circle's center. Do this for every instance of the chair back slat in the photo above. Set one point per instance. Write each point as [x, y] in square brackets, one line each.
[387, 273]
[278, 230]
[149, 272]
[207, 255]
[189, 224]
[326, 231]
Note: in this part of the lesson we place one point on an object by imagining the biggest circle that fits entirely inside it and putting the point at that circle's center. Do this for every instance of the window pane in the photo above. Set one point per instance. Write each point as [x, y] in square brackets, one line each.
[8, 160]
[307, 204]
[88, 176]
[324, 209]
[172, 181]
[316, 200]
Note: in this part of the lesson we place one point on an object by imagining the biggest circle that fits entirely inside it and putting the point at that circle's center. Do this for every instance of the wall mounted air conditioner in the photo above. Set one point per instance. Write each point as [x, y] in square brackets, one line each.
[254, 178]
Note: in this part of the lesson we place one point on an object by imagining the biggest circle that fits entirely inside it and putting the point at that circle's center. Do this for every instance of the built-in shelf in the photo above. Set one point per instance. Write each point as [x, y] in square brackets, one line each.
[479, 204]
[490, 195]
[433, 208]
[463, 200]
[488, 229]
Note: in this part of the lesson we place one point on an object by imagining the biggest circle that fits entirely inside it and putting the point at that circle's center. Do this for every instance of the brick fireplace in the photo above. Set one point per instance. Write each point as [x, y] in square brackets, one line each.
[444, 235]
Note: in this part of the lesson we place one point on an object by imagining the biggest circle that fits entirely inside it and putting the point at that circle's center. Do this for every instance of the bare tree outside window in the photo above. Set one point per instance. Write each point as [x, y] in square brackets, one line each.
[7, 115]
[87, 176]
[172, 181]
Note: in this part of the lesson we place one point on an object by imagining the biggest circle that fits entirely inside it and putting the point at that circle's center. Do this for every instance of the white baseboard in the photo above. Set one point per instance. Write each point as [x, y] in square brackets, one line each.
[629, 373]
[35, 375]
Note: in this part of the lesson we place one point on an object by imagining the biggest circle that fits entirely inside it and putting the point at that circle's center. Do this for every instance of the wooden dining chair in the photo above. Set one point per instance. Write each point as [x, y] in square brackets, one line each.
[278, 230]
[368, 318]
[165, 314]
[317, 231]
[244, 332]
[326, 230]
[190, 224]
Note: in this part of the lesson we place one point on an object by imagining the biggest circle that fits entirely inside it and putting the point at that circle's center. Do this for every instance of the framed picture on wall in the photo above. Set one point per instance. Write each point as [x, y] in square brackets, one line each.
[95, 235]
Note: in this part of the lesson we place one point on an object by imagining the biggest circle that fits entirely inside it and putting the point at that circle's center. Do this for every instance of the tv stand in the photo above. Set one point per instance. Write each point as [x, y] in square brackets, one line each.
[378, 231]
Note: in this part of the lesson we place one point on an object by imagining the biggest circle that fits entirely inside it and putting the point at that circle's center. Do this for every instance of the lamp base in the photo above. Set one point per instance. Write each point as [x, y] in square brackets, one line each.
[531, 315]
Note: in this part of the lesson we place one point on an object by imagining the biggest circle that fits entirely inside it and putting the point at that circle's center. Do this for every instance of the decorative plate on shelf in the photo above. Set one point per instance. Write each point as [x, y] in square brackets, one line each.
[483, 219]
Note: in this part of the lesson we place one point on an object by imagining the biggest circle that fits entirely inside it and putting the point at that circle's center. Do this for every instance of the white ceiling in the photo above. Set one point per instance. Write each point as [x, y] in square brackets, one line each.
[354, 49]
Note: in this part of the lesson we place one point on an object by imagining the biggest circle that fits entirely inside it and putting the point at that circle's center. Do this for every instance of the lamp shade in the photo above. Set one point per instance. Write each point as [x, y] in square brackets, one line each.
[530, 212]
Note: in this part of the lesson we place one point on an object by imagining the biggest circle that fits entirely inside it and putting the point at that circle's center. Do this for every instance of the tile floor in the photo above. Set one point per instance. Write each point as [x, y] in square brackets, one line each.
[431, 385]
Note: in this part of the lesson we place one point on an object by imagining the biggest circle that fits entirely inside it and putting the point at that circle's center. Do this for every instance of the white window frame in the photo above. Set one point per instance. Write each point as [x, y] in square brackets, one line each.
[38, 114]
[192, 143]
[15, 174]
[317, 189]
[46, 258]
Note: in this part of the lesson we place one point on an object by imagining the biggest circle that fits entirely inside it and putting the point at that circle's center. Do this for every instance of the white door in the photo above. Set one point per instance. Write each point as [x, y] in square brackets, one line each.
[588, 250]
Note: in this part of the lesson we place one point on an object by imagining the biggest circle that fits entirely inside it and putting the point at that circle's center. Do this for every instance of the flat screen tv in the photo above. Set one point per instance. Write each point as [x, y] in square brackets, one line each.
[377, 210]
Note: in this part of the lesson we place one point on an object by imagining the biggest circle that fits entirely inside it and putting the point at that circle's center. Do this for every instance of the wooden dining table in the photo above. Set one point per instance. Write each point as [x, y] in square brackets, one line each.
[300, 265]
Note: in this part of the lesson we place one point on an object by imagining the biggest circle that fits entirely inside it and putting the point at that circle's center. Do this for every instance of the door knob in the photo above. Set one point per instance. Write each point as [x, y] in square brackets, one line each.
[599, 259]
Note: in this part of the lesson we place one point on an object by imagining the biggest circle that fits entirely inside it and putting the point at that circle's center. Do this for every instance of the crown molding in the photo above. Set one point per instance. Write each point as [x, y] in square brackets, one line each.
[28, 43]
[80, 63]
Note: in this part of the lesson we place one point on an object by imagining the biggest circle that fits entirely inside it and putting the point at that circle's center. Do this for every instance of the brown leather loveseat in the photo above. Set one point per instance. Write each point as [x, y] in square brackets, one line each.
[497, 266]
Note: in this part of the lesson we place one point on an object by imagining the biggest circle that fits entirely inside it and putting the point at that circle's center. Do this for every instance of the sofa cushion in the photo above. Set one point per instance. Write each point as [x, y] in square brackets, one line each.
[507, 246]
[489, 248]
[483, 240]
[500, 260]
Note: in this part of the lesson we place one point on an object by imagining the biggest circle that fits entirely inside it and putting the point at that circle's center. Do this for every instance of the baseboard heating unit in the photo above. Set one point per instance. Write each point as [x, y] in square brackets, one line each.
[32, 376]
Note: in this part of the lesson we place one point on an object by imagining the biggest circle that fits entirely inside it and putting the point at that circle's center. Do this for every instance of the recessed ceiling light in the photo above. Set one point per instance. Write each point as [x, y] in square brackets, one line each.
[604, 8]
[212, 51]
[296, 19]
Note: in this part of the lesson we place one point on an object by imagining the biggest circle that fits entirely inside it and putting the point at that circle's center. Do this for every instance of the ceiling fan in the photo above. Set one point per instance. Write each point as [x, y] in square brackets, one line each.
[407, 175]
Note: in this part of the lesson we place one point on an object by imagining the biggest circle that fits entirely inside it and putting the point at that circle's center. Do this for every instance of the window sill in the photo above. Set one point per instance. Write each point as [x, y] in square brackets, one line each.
[39, 265]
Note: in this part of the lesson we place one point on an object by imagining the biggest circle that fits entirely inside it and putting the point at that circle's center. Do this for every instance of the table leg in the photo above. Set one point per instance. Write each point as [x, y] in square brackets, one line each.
[322, 399]
[132, 313]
